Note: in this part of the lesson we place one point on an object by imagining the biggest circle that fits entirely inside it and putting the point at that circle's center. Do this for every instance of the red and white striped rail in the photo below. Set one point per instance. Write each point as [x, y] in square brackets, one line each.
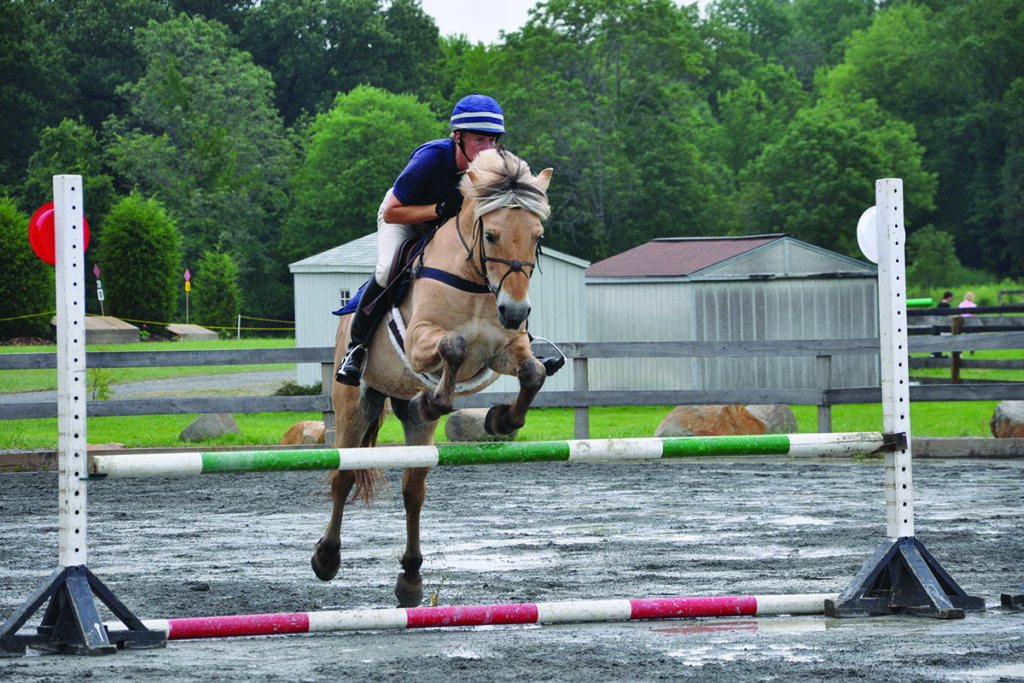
[488, 615]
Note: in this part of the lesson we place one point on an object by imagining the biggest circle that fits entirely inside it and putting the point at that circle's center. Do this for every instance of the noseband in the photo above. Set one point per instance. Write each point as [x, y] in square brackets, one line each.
[514, 266]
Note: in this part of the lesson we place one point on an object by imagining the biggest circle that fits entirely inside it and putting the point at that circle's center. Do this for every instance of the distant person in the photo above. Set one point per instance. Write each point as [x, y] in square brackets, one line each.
[947, 302]
[968, 302]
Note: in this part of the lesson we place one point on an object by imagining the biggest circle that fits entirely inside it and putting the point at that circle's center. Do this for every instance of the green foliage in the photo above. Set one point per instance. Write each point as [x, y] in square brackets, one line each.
[948, 71]
[355, 152]
[600, 91]
[316, 50]
[931, 258]
[26, 283]
[296, 389]
[216, 294]
[1011, 231]
[658, 120]
[820, 176]
[32, 75]
[206, 140]
[139, 257]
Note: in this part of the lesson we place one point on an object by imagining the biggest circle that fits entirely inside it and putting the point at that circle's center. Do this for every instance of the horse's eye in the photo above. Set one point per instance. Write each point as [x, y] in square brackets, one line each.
[491, 238]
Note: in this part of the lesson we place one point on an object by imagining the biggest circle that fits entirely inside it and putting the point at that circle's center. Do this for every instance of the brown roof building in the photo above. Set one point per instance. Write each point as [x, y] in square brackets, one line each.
[748, 288]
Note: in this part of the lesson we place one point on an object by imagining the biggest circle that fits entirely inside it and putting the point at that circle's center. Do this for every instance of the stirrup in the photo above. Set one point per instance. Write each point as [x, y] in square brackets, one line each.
[351, 369]
[552, 364]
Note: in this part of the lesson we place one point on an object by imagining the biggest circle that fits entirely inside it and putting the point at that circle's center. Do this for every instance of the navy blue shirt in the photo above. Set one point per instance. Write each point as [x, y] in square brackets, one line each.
[431, 175]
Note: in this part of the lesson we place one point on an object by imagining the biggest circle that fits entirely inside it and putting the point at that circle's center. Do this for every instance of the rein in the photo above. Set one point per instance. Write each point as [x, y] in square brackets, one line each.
[514, 266]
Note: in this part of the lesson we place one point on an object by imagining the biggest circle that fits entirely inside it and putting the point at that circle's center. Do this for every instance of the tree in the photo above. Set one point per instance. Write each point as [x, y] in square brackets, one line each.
[765, 23]
[931, 255]
[26, 290]
[71, 148]
[140, 261]
[947, 71]
[31, 73]
[601, 91]
[204, 138]
[315, 50]
[1012, 182]
[99, 52]
[217, 295]
[817, 180]
[355, 152]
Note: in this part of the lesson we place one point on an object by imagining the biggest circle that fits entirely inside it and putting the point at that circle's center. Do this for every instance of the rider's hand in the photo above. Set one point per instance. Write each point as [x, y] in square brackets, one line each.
[447, 209]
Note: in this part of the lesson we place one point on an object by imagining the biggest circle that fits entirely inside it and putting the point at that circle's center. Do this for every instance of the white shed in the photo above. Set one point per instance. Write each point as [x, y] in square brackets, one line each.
[758, 287]
[325, 281]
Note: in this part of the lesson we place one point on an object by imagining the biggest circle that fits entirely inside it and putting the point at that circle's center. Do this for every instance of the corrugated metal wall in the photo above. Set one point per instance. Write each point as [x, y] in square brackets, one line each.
[316, 295]
[801, 308]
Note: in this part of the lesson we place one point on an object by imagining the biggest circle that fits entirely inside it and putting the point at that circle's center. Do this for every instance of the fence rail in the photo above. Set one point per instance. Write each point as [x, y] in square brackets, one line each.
[824, 395]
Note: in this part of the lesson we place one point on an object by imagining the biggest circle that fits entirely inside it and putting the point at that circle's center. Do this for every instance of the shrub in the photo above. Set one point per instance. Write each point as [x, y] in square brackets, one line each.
[26, 285]
[217, 295]
[139, 257]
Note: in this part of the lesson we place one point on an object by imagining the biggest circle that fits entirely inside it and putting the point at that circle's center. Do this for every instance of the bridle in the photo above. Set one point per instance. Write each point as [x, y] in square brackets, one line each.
[514, 266]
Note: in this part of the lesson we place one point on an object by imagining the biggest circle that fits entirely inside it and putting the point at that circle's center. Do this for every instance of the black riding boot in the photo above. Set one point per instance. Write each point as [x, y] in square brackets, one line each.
[359, 331]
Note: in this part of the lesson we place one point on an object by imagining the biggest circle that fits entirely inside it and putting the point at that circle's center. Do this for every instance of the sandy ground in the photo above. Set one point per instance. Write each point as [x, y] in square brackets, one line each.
[240, 544]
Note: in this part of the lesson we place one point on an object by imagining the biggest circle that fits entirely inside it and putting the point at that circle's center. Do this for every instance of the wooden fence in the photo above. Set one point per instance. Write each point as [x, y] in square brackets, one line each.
[823, 395]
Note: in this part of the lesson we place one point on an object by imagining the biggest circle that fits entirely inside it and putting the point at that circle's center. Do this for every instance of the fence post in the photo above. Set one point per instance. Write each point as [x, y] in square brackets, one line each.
[581, 414]
[823, 378]
[956, 327]
[326, 384]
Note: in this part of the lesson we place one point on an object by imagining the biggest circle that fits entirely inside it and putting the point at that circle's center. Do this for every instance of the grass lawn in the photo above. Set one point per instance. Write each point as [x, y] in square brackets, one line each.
[15, 381]
[542, 424]
[927, 419]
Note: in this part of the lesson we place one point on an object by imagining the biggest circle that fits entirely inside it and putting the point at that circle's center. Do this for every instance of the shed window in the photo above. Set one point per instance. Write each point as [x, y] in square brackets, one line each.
[344, 296]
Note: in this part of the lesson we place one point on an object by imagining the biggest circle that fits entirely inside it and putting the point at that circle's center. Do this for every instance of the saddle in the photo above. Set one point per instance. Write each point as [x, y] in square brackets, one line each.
[404, 269]
[399, 277]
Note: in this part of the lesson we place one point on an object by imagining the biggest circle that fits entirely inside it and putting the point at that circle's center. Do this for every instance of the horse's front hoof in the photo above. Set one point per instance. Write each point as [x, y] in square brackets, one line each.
[326, 560]
[409, 592]
[423, 411]
[497, 421]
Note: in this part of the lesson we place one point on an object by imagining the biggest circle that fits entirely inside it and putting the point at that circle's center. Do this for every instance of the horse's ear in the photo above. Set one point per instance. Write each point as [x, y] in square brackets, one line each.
[472, 175]
[543, 178]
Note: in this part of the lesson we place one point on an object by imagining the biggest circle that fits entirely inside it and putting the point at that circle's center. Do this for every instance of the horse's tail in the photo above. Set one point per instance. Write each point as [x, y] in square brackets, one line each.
[369, 482]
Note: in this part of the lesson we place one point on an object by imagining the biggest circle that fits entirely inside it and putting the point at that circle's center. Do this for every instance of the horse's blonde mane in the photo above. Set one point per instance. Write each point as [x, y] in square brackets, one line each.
[499, 179]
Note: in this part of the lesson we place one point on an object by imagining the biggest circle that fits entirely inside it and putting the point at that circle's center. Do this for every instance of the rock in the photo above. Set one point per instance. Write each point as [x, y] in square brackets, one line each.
[468, 425]
[777, 418]
[210, 426]
[1007, 421]
[709, 421]
[302, 433]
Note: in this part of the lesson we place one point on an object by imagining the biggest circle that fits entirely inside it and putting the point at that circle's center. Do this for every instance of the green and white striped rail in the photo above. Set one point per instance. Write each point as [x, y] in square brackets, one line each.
[590, 450]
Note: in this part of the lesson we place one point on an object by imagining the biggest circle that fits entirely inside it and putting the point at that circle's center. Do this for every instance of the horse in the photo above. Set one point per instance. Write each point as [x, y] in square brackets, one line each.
[464, 315]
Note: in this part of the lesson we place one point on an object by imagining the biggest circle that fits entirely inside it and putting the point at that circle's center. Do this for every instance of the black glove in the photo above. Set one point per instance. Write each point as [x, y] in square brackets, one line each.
[449, 208]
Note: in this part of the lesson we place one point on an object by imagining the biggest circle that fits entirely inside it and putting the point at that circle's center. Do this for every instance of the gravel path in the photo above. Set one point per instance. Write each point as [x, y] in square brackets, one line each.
[254, 383]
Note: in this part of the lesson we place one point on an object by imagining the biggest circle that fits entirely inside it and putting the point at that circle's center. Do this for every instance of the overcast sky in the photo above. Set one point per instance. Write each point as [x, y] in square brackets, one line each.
[481, 20]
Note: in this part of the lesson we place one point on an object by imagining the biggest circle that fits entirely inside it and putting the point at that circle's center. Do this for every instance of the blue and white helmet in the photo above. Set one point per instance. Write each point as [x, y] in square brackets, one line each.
[480, 114]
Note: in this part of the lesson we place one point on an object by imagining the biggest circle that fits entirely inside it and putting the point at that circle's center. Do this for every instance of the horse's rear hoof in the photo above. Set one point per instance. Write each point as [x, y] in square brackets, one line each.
[326, 560]
[409, 593]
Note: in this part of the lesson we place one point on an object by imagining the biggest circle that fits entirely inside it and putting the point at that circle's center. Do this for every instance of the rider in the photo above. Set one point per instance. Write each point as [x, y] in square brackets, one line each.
[426, 194]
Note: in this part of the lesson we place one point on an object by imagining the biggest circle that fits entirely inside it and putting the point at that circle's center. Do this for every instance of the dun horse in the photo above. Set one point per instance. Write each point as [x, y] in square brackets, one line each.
[459, 334]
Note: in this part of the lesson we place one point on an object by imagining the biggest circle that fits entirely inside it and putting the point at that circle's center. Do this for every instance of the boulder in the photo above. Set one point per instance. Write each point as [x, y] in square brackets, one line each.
[210, 426]
[709, 421]
[1007, 421]
[467, 425]
[304, 433]
[777, 418]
